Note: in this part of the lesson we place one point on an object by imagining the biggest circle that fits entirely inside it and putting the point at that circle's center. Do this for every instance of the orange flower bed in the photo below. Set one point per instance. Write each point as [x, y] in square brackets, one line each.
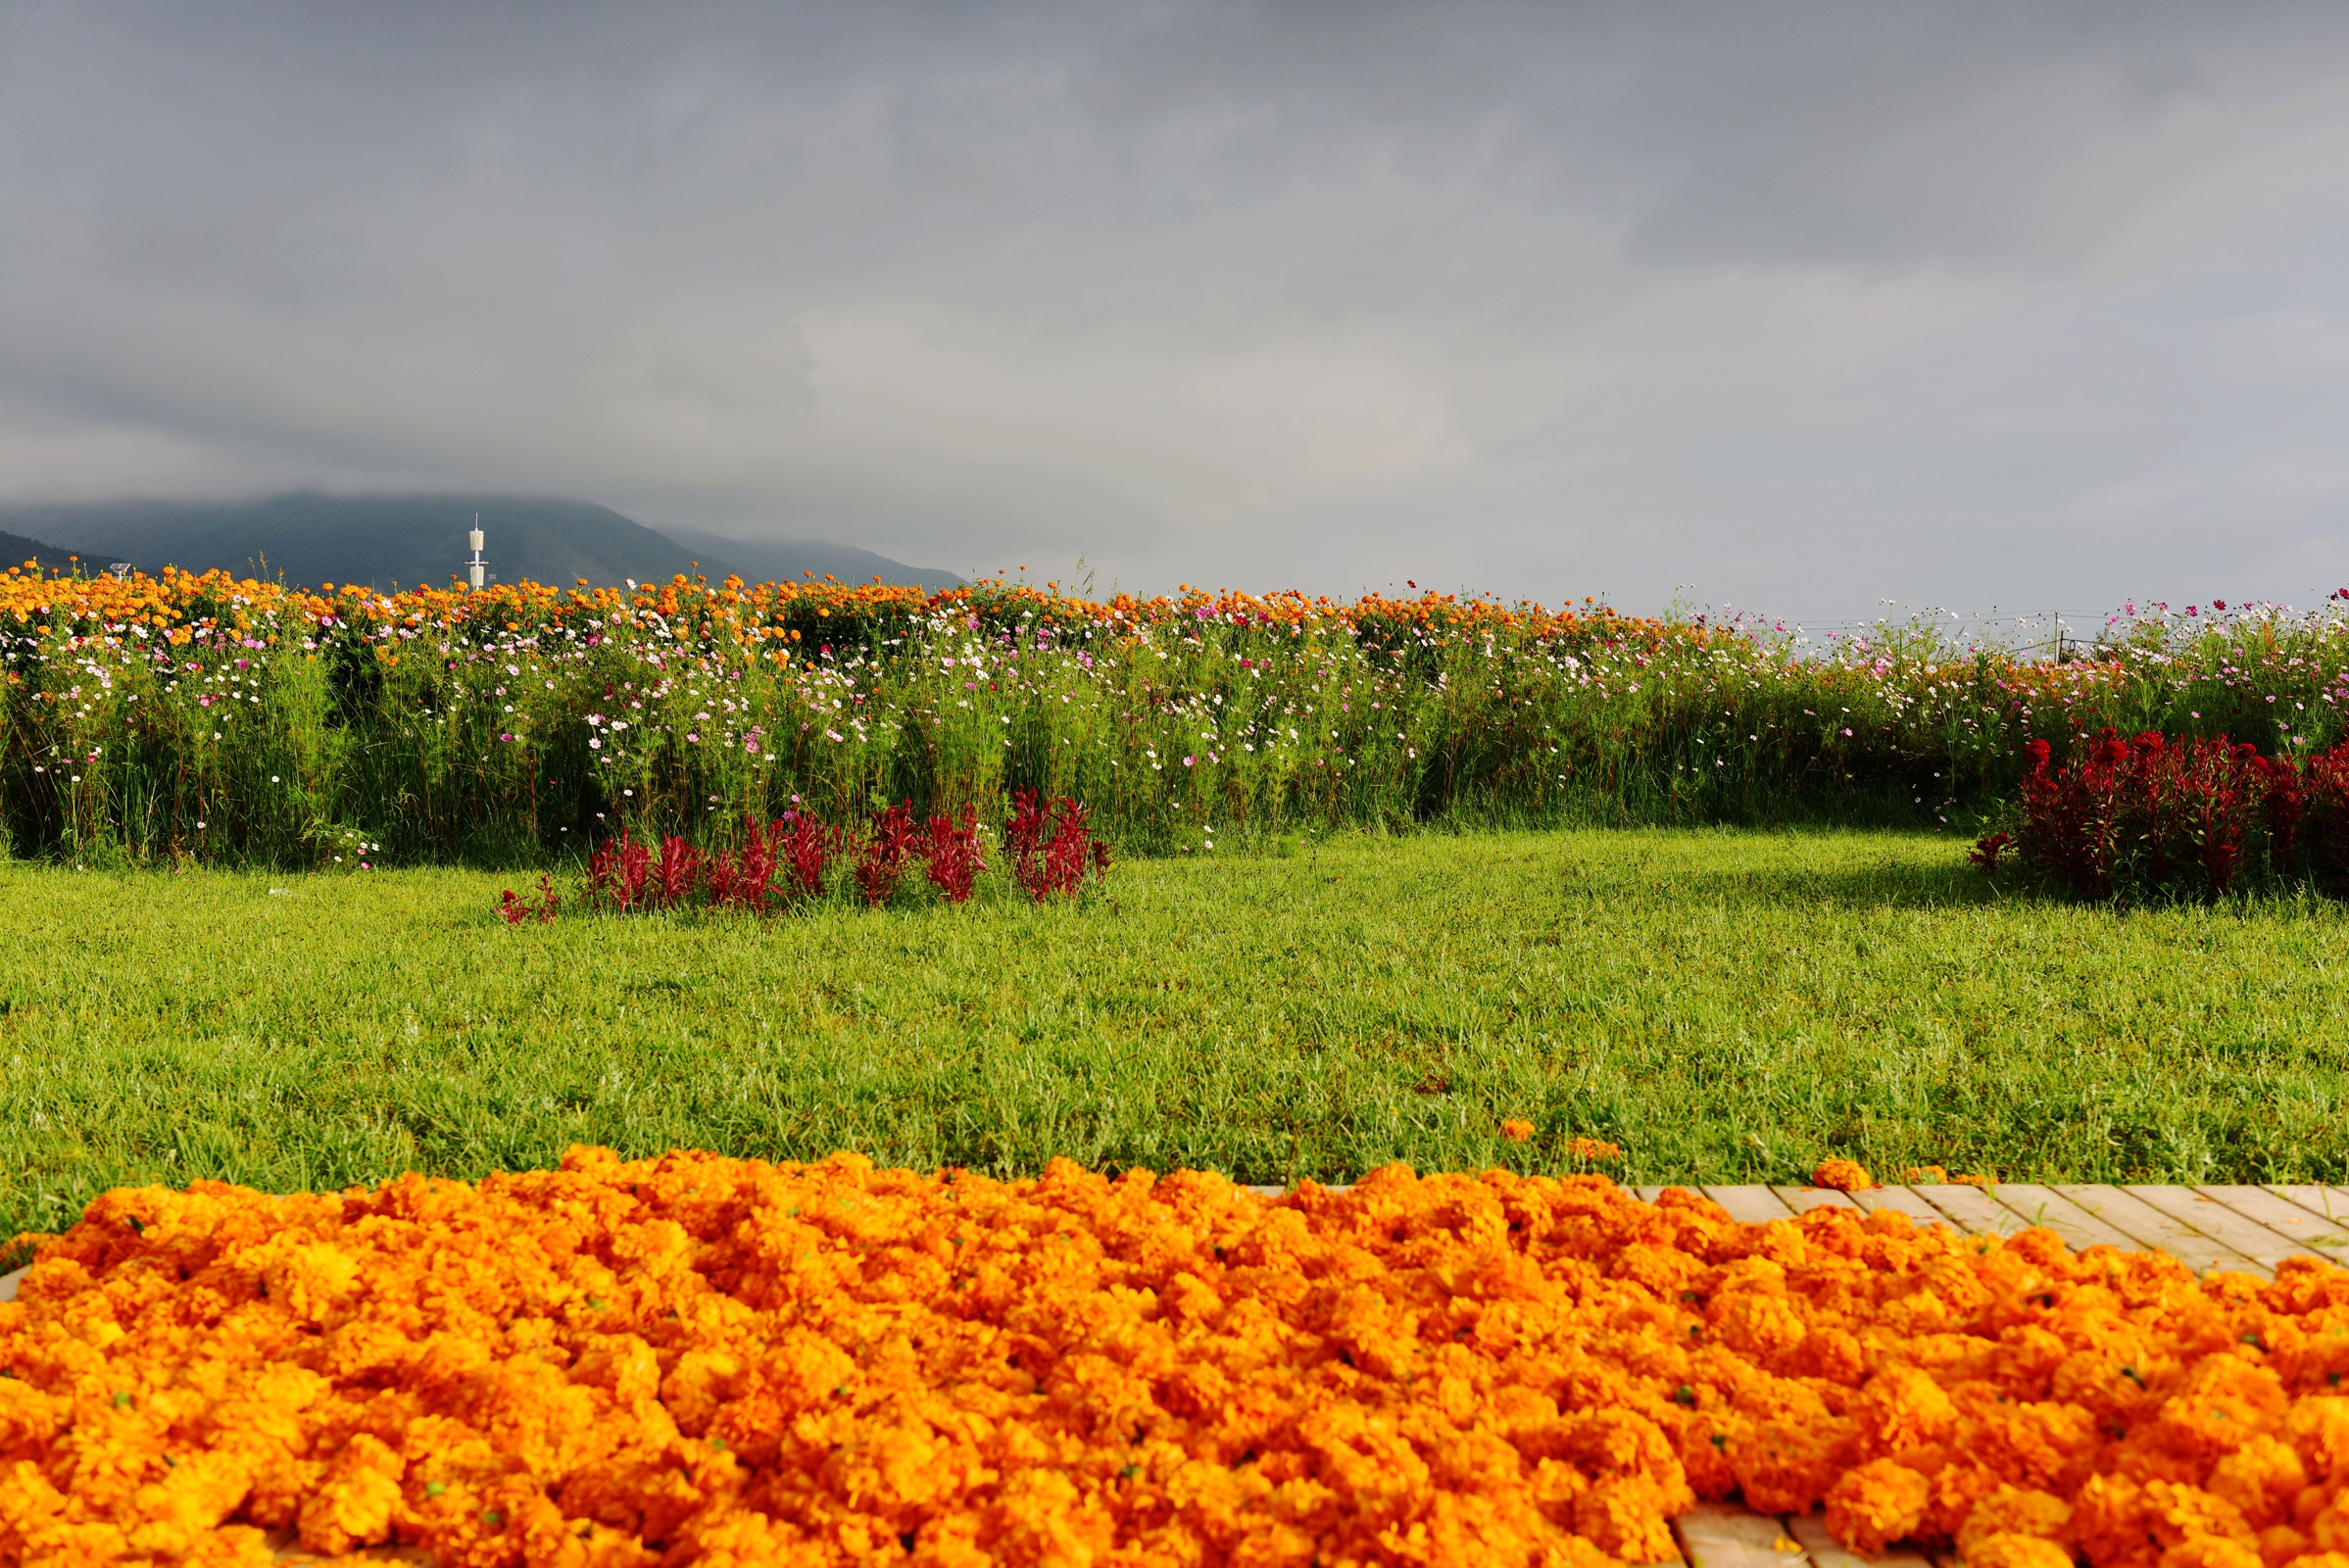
[710, 1361]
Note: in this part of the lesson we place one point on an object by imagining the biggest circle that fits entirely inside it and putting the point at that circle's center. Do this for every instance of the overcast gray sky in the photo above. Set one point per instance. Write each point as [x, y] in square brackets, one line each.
[1805, 305]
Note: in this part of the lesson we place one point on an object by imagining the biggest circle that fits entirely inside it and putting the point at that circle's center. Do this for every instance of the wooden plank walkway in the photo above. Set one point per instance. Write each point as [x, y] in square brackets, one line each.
[2243, 1230]
[2235, 1229]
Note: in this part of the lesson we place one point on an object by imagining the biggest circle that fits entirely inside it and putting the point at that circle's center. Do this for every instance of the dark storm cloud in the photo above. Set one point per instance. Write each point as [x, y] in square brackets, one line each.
[1804, 303]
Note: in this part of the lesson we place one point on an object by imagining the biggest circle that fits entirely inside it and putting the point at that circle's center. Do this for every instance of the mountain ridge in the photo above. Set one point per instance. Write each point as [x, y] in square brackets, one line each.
[309, 537]
[16, 549]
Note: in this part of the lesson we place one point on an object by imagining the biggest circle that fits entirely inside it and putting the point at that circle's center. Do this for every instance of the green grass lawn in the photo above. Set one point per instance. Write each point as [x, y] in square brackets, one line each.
[1728, 1006]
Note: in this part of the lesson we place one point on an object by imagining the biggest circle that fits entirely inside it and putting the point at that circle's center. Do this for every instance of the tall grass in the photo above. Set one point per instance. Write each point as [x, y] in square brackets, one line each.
[207, 717]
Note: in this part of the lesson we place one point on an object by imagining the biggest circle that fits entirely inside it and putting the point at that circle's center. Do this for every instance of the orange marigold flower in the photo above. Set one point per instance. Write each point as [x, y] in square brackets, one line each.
[1876, 1504]
[1937, 1176]
[1842, 1175]
[2008, 1549]
[1516, 1131]
[831, 1363]
[2012, 1510]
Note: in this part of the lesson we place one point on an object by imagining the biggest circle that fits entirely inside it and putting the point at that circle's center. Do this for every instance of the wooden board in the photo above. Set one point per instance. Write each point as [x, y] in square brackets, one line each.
[2149, 1228]
[1902, 1199]
[1971, 1210]
[2312, 1233]
[2220, 1223]
[1749, 1205]
[1802, 1199]
[1715, 1535]
[1810, 1530]
[2330, 1203]
[2049, 1209]
[8, 1285]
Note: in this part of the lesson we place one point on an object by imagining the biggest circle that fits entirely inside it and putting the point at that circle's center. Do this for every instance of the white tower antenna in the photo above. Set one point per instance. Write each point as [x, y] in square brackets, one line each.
[477, 567]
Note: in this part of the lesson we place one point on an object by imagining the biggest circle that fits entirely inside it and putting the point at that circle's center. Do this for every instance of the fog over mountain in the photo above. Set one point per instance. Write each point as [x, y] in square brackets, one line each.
[1805, 303]
[796, 560]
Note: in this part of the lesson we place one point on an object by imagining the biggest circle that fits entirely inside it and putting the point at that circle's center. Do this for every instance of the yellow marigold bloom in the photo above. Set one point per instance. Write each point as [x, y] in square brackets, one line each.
[1841, 1175]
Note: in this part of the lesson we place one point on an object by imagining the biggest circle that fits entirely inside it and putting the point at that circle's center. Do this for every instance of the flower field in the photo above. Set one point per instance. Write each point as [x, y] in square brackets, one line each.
[153, 720]
[702, 1359]
[759, 1354]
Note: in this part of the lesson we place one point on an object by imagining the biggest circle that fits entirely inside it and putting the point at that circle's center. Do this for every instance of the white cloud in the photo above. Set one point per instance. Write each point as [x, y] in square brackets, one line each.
[1806, 304]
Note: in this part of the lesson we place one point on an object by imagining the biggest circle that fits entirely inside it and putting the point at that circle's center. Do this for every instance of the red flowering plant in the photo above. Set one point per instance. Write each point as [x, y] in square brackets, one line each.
[2321, 829]
[806, 846]
[2149, 818]
[617, 872]
[542, 909]
[953, 855]
[744, 879]
[1051, 847]
[788, 860]
[674, 874]
[882, 854]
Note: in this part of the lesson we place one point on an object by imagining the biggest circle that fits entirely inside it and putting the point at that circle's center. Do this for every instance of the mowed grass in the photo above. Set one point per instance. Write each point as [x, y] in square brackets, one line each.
[1729, 1006]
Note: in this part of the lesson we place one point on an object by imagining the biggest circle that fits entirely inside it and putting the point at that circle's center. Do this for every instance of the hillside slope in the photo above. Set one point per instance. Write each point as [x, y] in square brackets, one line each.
[792, 561]
[16, 550]
[307, 538]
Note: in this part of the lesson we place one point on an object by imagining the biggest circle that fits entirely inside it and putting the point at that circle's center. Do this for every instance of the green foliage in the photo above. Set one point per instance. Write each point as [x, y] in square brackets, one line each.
[232, 722]
[1727, 1005]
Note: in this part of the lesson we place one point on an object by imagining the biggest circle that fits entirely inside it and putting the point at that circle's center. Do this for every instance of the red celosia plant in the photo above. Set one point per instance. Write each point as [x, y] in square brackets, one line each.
[675, 872]
[882, 855]
[1023, 833]
[2321, 836]
[1986, 851]
[744, 879]
[1051, 848]
[1045, 865]
[2283, 803]
[617, 871]
[543, 907]
[2148, 817]
[953, 855]
[805, 848]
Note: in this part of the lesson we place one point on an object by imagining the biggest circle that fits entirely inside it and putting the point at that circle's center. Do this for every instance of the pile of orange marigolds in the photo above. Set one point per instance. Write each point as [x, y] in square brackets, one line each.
[712, 1360]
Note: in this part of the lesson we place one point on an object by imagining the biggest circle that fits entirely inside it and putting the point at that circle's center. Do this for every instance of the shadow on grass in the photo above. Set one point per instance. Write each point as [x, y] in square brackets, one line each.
[1892, 885]
[1898, 886]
